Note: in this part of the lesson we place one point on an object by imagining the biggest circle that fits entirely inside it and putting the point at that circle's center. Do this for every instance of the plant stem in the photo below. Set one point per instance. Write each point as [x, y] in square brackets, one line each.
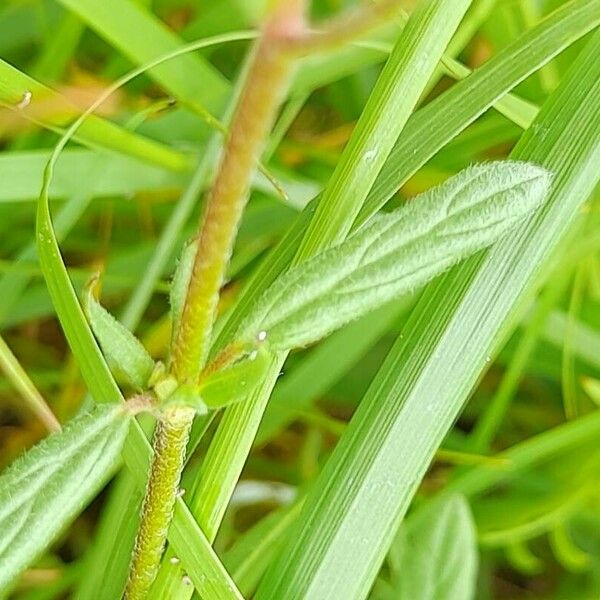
[265, 86]
[170, 439]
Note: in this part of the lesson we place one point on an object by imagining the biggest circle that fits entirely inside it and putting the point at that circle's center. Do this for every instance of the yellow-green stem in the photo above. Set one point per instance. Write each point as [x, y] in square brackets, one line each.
[266, 84]
[264, 89]
[170, 439]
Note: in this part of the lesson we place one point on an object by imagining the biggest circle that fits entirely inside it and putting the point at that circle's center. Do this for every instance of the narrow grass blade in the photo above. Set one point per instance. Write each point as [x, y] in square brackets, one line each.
[365, 488]
[142, 37]
[13, 282]
[45, 106]
[206, 571]
[19, 378]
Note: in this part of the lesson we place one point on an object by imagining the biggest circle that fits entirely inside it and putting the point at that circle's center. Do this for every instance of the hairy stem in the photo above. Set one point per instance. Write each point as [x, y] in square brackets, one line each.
[170, 439]
[266, 84]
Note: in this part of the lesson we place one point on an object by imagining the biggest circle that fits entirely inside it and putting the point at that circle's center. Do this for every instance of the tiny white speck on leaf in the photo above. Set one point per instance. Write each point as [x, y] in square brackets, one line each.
[25, 100]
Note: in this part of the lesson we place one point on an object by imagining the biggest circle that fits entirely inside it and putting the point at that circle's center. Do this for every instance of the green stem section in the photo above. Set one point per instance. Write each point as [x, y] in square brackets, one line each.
[170, 439]
[266, 84]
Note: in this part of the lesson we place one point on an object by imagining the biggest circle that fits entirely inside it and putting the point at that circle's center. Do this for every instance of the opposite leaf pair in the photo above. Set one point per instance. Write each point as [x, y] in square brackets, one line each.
[128, 359]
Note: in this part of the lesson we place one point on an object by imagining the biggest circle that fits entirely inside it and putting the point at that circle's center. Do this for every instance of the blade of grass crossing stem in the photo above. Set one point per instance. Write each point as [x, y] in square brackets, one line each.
[355, 506]
[432, 127]
[397, 91]
[196, 555]
[118, 514]
[120, 508]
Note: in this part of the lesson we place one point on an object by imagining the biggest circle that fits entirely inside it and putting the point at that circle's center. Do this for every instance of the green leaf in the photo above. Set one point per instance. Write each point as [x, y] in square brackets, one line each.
[122, 350]
[396, 253]
[179, 285]
[237, 381]
[46, 488]
[439, 555]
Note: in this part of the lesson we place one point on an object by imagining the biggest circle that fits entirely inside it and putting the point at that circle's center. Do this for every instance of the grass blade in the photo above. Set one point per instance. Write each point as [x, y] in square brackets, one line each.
[49, 108]
[19, 378]
[364, 490]
[142, 37]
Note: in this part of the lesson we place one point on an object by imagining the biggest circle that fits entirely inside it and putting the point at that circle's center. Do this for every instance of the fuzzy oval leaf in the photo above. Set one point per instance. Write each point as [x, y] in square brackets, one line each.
[397, 252]
[236, 382]
[41, 492]
[122, 350]
[438, 557]
[179, 285]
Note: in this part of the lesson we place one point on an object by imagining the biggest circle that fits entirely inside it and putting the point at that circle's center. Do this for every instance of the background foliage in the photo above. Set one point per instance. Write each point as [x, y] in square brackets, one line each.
[513, 489]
